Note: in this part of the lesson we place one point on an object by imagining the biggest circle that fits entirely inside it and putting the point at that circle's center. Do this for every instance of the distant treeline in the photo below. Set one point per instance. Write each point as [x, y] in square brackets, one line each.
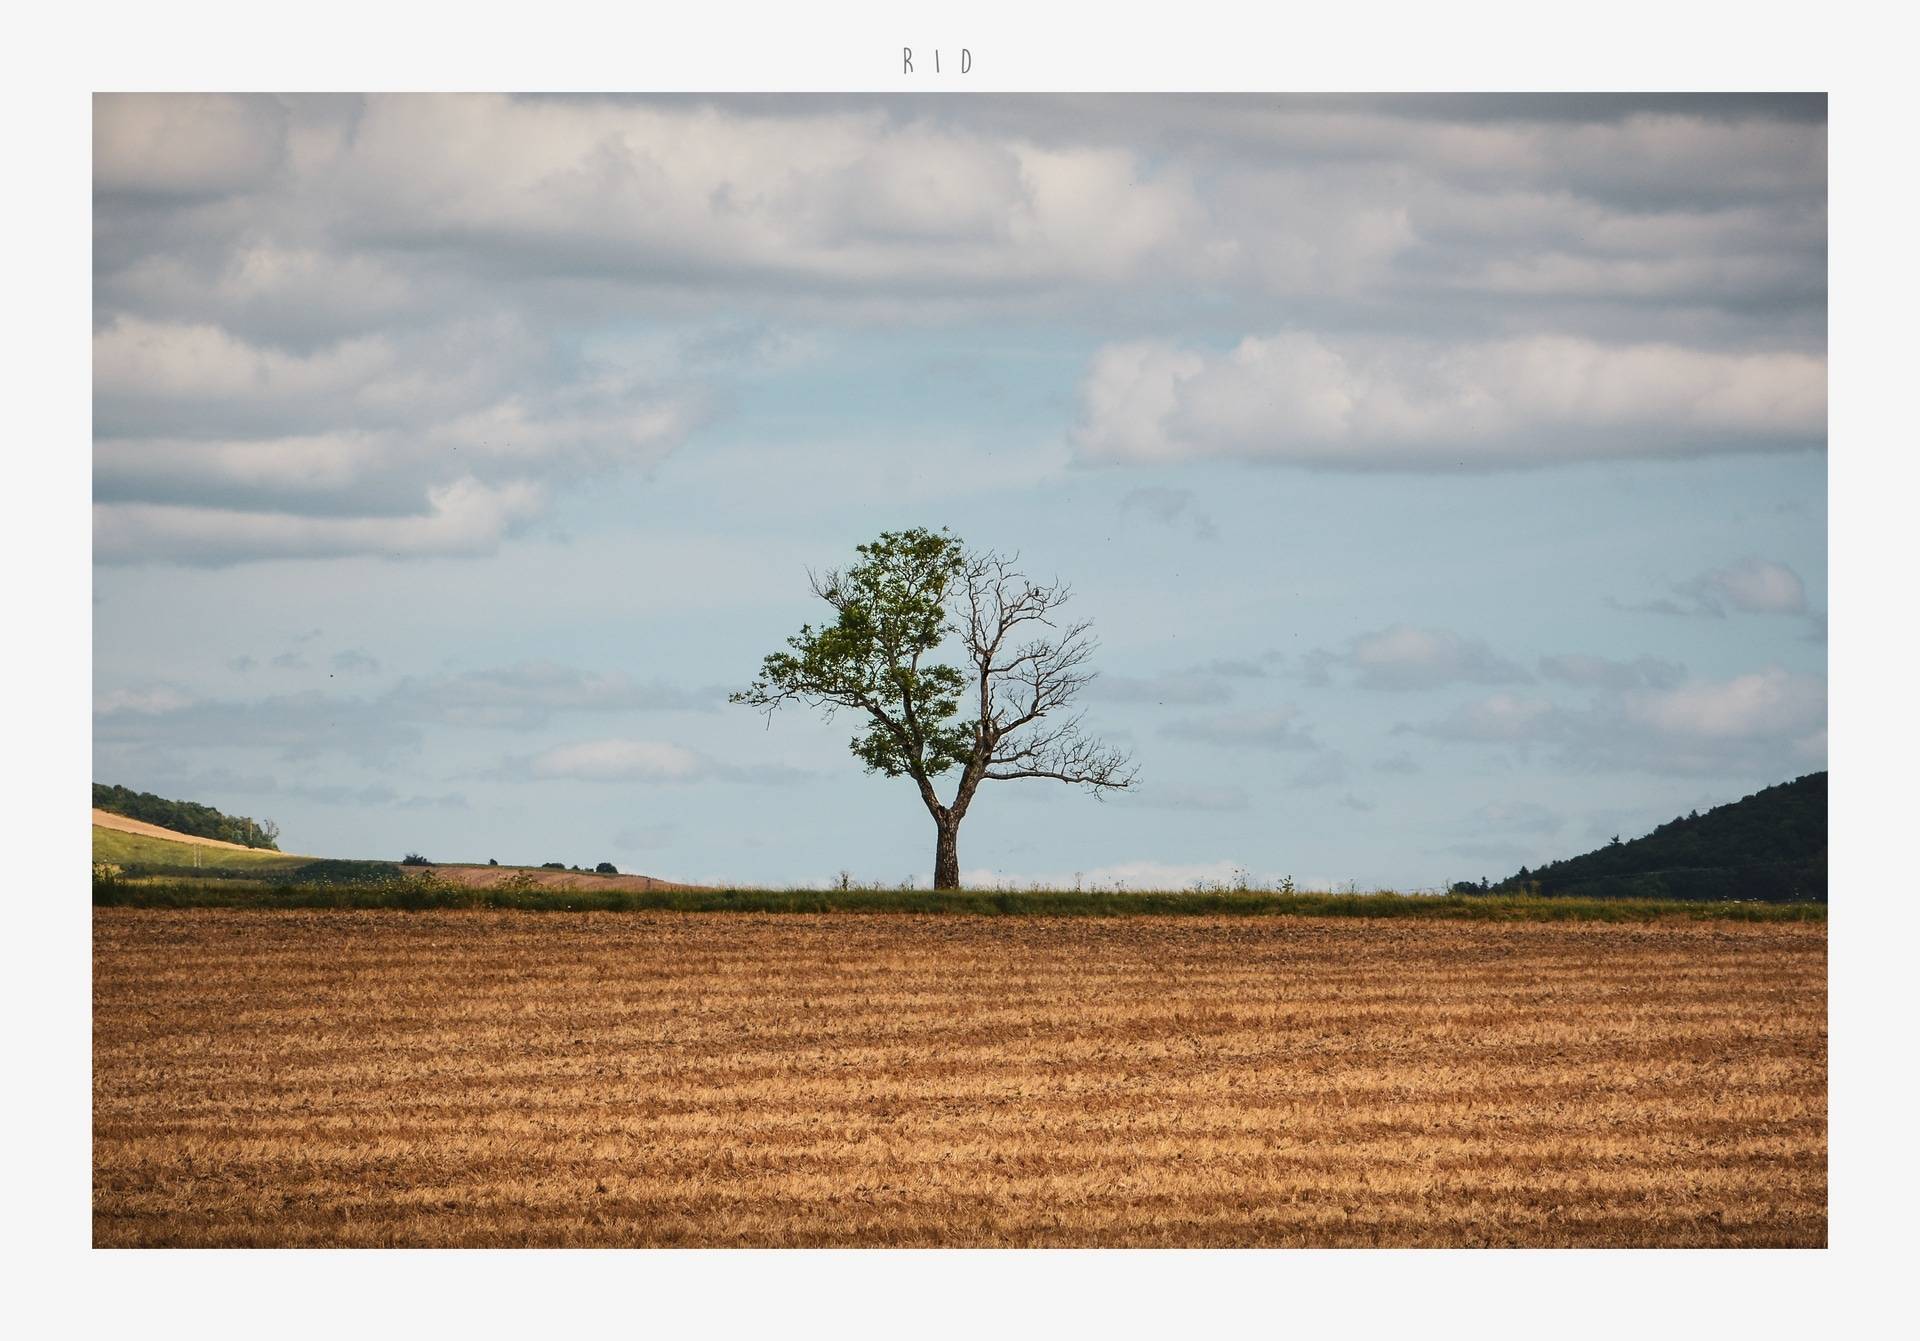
[186, 817]
[1771, 845]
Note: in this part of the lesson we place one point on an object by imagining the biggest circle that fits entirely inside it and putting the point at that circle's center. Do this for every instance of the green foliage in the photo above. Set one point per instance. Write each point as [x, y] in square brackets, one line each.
[606, 868]
[333, 872]
[186, 817]
[891, 610]
[1771, 845]
[414, 859]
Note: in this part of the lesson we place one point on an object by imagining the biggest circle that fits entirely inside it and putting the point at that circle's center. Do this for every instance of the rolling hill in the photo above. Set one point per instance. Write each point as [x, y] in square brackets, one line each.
[1771, 845]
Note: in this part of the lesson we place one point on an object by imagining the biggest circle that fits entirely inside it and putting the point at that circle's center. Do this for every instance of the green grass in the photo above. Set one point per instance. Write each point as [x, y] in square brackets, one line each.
[132, 849]
[422, 892]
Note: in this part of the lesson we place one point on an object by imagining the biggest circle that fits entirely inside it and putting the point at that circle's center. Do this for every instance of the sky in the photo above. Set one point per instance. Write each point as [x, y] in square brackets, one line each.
[1445, 477]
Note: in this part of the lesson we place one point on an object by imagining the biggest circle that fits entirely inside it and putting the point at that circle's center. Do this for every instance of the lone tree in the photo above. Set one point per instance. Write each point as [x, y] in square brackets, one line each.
[910, 592]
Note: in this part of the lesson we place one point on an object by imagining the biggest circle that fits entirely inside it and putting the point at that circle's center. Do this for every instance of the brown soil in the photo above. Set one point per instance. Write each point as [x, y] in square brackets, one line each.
[631, 1079]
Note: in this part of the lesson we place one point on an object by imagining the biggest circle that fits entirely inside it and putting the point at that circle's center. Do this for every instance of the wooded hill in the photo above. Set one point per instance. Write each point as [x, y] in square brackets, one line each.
[188, 817]
[1771, 845]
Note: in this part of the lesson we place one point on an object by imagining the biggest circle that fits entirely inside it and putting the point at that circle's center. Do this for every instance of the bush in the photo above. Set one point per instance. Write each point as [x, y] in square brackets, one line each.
[606, 868]
[492, 862]
[553, 866]
[414, 859]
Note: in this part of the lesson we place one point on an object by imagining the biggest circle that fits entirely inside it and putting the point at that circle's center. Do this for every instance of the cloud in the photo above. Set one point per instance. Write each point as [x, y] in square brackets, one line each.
[1170, 507]
[1175, 796]
[645, 837]
[1205, 683]
[307, 724]
[1498, 718]
[1751, 586]
[1516, 817]
[1403, 658]
[464, 517]
[1326, 770]
[1115, 875]
[403, 324]
[1596, 672]
[151, 701]
[530, 693]
[212, 448]
[1369, 404]
[1273, 729]
[1768, 723]
[1756, 586]
[185, 145]
[617, 759]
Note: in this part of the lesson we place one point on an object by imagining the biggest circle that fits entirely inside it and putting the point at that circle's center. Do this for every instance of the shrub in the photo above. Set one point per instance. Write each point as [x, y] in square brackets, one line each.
[331, 871]
[414, 859]
[553, 866]
[606, 868]
[492, 862]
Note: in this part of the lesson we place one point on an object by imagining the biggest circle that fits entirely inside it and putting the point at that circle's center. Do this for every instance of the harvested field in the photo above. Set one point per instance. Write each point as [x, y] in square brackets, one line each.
[504, 1078]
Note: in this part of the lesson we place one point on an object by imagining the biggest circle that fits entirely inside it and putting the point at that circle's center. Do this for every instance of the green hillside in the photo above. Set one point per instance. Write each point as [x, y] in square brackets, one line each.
[138, 851]
[1771, 845]
[188, 817]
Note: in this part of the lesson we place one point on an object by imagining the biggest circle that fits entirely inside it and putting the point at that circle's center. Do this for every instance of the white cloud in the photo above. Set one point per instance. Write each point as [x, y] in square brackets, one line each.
[1498, 717]
[1769, 723]
[1751, 586]
[153, 700]
[1142, 875]
[463, 517]
[1759, 587]
[1769, 703]
[620, 761]
[1378, 403]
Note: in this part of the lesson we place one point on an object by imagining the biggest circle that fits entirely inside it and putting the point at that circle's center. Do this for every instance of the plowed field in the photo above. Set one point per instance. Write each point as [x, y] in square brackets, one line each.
[503, 1078]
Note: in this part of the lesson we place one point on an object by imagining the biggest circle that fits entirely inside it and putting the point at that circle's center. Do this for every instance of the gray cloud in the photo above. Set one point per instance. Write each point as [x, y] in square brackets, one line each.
[1273, 729]
[529, 694]
[1206, 683]
[1523, 817]
[1404, 658]
[1174, 796]
[1325, 770]
[1171, 507]
[331, 325]
[375, 729]
[1596, 672]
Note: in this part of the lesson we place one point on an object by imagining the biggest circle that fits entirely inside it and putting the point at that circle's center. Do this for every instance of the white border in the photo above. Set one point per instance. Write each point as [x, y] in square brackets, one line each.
[60, 57]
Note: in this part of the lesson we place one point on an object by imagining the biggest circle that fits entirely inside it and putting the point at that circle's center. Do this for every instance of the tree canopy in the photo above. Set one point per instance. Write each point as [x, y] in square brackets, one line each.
[910, 595]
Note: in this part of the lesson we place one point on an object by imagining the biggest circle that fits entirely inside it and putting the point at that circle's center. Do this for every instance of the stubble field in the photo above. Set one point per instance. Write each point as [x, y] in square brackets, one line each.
[382, 1078]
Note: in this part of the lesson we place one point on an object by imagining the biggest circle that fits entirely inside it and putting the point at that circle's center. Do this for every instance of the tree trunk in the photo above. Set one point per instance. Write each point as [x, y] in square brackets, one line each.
[946, 856]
